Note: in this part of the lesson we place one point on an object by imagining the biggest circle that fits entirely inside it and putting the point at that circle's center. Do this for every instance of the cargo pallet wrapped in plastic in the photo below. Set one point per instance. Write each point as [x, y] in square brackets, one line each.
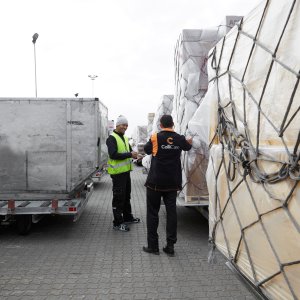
[165, 108]
[191, 80]
[139, 136]
[254, 172]
[191, 84]
[151, 117]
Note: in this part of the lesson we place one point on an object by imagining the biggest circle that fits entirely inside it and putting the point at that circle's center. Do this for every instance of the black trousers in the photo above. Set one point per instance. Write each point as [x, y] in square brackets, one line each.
[153, 206]
[121, 198]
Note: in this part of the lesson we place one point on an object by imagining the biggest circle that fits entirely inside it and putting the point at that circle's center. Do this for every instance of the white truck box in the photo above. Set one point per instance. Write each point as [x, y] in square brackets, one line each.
[49, 146]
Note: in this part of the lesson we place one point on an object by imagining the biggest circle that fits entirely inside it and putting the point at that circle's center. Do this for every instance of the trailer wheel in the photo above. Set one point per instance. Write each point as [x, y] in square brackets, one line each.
[24, 223]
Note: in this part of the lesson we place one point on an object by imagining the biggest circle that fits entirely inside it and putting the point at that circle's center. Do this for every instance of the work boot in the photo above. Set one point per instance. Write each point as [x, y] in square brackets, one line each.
[133, 220]
[169, 249]
[121, 227]
[151, 250]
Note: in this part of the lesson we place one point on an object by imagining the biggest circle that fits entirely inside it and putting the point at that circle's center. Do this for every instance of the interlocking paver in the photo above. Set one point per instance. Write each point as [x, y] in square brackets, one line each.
[60, 259]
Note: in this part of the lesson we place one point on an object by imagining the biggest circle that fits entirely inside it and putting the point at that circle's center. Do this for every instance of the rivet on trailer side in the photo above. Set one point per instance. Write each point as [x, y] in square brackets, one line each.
[49, 157]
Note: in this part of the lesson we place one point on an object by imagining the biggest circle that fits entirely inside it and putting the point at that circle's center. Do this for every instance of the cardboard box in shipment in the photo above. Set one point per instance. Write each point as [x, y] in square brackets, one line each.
[194, 181]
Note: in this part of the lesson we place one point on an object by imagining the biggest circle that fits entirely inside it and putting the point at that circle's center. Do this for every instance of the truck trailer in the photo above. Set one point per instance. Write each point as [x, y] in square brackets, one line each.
[51, 149]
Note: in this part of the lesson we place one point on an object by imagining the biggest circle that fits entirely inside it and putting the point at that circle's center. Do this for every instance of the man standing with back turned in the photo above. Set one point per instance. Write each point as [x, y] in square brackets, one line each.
[163, 181]
[119, 167]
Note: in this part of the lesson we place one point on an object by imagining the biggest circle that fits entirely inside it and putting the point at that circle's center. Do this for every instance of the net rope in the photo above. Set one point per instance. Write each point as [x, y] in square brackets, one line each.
[244, 158]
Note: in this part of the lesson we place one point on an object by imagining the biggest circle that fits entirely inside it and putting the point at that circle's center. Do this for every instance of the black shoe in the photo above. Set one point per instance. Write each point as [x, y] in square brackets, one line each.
[133, 220]
[169, 250]
[151, 250]
[121, 227]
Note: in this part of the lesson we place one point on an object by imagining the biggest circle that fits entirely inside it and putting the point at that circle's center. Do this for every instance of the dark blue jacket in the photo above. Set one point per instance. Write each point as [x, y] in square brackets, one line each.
[165, 171]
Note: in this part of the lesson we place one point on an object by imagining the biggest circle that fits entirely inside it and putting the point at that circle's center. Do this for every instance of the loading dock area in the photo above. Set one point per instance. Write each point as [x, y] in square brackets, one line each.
[61, 259]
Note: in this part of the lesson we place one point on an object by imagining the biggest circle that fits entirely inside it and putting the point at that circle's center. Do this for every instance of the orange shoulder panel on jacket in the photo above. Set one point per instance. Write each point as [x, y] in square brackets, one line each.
[154, 143]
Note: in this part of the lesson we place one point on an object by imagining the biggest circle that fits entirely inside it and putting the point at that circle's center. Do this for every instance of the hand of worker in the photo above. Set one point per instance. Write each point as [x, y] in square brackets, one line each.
[134, 154]
[190, 140]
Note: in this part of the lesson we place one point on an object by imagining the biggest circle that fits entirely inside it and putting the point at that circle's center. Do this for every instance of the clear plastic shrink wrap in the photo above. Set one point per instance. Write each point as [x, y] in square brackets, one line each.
[191, 84]
[165, 108]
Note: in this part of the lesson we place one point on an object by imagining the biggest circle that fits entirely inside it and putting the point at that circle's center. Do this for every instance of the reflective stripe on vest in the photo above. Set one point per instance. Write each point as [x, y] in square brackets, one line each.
[123, 165]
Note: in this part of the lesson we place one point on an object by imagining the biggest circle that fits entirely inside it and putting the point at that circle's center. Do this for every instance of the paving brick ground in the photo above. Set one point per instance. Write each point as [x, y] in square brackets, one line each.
[60, 259]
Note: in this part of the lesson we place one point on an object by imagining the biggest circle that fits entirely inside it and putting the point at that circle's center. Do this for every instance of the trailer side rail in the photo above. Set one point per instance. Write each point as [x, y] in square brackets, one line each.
[72, 207]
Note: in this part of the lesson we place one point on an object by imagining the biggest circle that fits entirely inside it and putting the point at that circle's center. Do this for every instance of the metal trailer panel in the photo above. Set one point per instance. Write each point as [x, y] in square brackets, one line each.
[103, 154]
[47, 146]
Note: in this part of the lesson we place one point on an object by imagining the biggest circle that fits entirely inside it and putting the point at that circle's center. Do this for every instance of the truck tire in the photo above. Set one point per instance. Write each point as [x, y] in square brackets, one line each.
[24, 223]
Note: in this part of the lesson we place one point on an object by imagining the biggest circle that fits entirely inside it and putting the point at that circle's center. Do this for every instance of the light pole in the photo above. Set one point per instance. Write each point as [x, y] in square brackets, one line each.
[93, 77]
[34, 38]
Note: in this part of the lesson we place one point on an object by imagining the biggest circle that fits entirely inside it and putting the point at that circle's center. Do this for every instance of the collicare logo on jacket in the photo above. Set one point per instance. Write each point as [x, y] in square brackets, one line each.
[170, 140]
[169, 147]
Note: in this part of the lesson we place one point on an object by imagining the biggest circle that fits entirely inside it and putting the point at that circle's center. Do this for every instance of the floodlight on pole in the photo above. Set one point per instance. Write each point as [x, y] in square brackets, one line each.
[34, 38]
[92, 77]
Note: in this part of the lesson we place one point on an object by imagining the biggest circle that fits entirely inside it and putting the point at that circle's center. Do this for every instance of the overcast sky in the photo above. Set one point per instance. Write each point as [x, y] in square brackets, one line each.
[128, 44]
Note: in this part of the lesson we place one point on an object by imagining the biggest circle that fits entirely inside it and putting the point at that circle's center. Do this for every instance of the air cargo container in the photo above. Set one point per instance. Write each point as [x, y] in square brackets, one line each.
[50, 150]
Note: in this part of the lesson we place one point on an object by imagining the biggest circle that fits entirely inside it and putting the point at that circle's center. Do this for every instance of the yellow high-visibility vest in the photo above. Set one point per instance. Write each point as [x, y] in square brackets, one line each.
[123, 165]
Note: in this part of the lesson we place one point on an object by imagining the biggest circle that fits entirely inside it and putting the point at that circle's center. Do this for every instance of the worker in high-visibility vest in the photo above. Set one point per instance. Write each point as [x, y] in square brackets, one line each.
[119, 166]
[163, 182]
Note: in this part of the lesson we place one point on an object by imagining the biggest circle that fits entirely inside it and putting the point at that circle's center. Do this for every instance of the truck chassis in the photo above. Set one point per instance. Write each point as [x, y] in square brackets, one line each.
[27, 211]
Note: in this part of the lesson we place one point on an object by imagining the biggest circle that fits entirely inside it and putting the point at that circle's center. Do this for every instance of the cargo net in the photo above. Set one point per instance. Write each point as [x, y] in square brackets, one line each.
[254, 194]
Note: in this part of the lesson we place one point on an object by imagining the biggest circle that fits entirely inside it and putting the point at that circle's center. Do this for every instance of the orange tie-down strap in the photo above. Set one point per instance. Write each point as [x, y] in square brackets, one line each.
[154, 143]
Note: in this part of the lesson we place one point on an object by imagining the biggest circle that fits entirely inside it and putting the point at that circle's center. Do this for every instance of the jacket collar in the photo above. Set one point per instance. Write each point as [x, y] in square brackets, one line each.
[167, 129]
